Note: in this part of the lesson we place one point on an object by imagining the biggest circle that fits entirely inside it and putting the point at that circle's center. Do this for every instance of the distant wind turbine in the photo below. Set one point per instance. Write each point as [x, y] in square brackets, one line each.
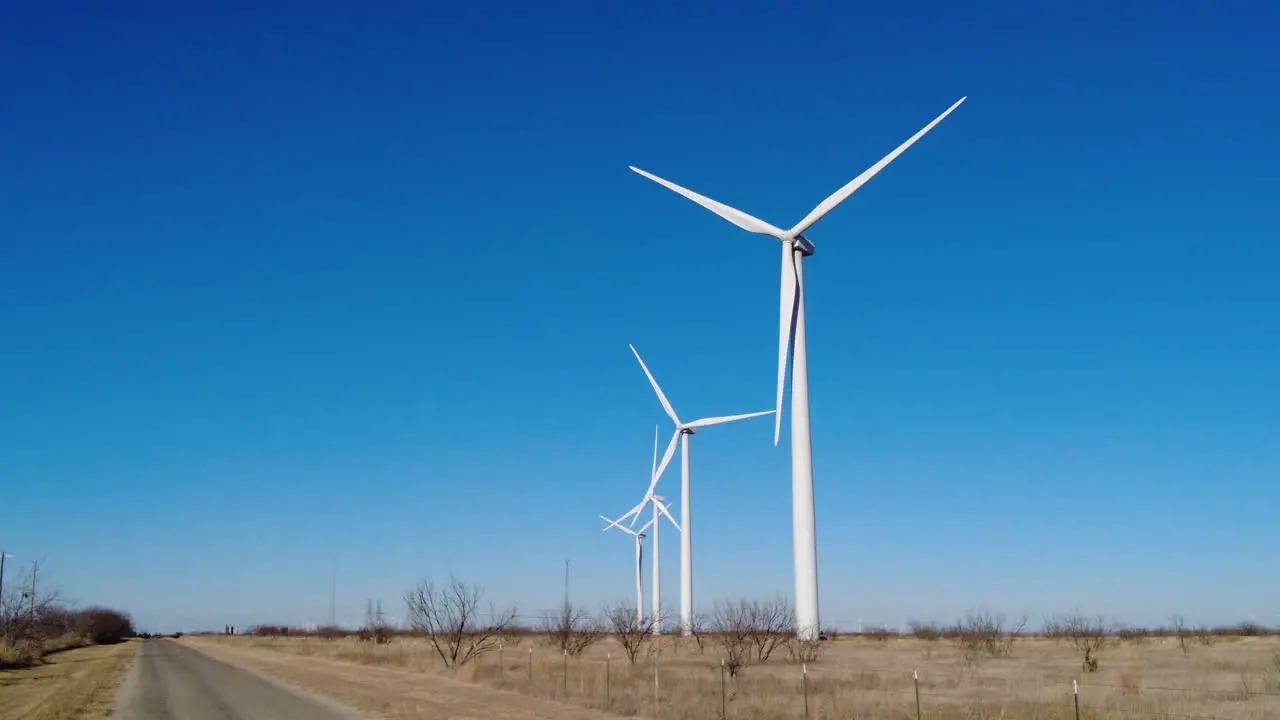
[682, 432]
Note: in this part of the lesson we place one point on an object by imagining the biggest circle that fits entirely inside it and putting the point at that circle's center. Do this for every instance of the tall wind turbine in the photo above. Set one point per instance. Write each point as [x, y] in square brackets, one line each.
[683, 431]
[639, 537]
[791, 335]
[659, 507]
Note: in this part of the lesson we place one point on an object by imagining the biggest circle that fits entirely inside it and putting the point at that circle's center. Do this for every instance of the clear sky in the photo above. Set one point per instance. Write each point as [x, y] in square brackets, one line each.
[292, 288]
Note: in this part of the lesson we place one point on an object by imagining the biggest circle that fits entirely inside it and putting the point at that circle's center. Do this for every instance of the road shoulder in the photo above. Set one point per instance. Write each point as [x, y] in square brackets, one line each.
[79, 683]
[392, 693]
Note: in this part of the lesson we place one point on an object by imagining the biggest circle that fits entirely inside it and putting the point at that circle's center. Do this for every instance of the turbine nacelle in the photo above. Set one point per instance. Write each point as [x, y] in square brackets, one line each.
[802, 244]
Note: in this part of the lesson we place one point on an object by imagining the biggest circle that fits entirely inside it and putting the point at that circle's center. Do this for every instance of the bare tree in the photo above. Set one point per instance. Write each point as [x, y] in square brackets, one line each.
[731, 624]
[571, 630]
[450, 617]
[772, 625]
[631, 631]
[981, 633]
[1088, 635]
[1179, 625]
[699, 627]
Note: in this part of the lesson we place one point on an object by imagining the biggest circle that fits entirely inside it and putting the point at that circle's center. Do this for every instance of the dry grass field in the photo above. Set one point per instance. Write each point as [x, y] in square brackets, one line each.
[79, 684]
[1230, 678]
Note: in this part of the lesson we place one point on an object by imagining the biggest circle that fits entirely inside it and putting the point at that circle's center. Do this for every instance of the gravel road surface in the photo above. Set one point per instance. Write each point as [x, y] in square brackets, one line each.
[172, 681]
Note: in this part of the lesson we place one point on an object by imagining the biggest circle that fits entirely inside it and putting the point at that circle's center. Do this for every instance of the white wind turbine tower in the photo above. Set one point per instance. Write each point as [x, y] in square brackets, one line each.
[683, 431]
[791, 334]
[659, 507]
[639, 537]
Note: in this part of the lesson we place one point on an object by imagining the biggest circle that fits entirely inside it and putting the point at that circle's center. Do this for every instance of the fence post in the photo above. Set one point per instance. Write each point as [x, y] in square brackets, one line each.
[608, 663]
[1075, 693]
[530, 666]
[804, 679]
[566, 673]
[915, 677]
[724, 703]
[502, 668]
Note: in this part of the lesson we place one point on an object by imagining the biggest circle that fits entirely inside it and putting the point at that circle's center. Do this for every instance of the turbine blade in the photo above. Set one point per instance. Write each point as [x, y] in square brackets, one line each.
[839, 196]
[663, 509]
[704, 422]
[666, 459]
[653, 482]
[786, 310]
[733, 215]
[654, 469]
[617, 524]
[633, 513]
[671, 413]
[647, 525]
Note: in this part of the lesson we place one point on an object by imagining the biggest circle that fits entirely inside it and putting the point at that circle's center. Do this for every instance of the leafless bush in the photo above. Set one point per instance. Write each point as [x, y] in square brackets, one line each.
[1132, 635]
[1088, 635]
[630, 629]
[1179, 626]
[880, 636]
[804, 650]
[731, 624]
[1203, 635]
[752, 629]
[982, 634]
[699, 628]
[1053, 629]
[772, 625]
[451, 619]
[571, 630]
[927, 632]
[331, 632]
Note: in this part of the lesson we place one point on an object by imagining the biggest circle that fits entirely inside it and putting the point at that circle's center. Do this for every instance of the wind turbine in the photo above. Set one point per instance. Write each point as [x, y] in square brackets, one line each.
[791, 335]
[659, 507]
[683, 431]
[639, 536]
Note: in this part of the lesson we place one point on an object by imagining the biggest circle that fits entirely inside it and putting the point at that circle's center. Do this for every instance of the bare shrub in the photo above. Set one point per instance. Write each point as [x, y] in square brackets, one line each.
[982, 634]
[1203, 635]
[1088, 635]
[699, 628]
[1132, 635]
[772, 625]
[731, 625]
[1052, 629]
[804, 650]
[331, 632]
[571, 630]
[450, 617]
[630, 629]
[1179, 626]
[928, 633]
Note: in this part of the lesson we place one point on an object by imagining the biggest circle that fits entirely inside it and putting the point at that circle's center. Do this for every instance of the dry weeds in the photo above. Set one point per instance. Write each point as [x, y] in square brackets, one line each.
[79, 683]
[1233, 679]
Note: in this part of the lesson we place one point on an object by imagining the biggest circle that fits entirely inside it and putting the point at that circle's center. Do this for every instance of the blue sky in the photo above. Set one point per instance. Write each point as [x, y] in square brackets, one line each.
[287, 290]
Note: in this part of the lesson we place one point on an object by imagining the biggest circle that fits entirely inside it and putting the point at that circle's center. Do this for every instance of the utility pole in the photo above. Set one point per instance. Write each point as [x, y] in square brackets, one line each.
[566, 582]
[35, 565]
[3, 555]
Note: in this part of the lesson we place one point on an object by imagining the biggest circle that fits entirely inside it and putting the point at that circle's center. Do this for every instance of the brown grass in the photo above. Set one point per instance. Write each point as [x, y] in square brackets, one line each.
[1234, 679]
[78, 683]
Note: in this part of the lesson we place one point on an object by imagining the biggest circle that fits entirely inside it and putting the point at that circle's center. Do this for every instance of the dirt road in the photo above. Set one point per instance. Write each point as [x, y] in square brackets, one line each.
[171, 681]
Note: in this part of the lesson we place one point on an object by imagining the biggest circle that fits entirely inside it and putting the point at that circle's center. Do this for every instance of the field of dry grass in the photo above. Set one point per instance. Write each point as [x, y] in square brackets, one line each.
[79, 683]
[1233, 678]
